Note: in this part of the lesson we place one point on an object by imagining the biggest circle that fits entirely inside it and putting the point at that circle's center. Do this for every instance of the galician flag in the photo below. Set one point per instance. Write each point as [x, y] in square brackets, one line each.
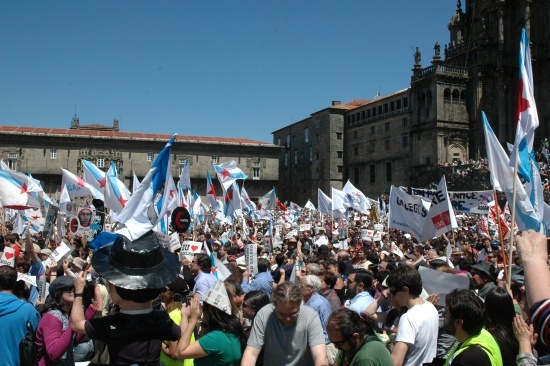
[228, 173]
[527, 117]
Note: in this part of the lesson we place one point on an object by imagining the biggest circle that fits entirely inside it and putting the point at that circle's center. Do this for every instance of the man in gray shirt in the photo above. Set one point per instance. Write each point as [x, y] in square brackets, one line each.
[293, 332]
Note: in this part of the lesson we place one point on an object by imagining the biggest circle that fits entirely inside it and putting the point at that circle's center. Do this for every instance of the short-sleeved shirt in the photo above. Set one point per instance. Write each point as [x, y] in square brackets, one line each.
[134, 338]
[222, 349]
[286, 345]
[418, 328]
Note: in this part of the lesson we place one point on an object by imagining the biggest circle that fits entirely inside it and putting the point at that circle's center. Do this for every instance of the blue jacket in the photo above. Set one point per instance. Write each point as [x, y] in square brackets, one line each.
[14, 314]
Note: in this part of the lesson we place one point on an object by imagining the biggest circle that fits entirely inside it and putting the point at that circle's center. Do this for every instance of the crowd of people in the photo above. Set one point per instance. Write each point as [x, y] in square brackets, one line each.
[315, 297]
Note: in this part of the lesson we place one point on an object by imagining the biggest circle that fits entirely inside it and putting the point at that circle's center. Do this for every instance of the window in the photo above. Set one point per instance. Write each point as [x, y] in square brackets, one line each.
[214, 159]
[255, 173]
[340, 154]
[316, 156]
[385, 107]
[386, 144]
[356, 150]
[405, 102]
[286, 159]
[356, 175]
[428, 162]
[338, 135]
[100, 162]
[340, 168]
[310, 153]
[295, 157]
[12, 160]
[372, 147]
[355, 134]
[398, 103]
[379, 110]
[405, 141]
[181, 162]
[53, 153]
[388, 171]
[287, 140]
[149, 156]
[392, 106]
[386, 126]
[374, 112]
[404, 122]
[372, 173]
[278, 141]
[372, 130]
[306, 133]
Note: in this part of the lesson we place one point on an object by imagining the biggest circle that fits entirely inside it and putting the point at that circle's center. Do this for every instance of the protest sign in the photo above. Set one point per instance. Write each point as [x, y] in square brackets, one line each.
[441, 217]
[251, 258]
[377, 236]
[475, 202]
[63, 250]
[379, 227]
[305, 227]
[441, 283]
[164, 240]
[174, 241]
[49, 222]
[8, 257]
[267, 244]
[31, 280]
[408, 213]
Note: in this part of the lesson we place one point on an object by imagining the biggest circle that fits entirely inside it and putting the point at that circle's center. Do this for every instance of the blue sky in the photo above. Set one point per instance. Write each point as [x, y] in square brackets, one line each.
[212, 68]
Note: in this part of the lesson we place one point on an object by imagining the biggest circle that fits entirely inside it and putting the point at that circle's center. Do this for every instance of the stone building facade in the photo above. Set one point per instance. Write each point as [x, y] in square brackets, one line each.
[441, 122]
[43, 151]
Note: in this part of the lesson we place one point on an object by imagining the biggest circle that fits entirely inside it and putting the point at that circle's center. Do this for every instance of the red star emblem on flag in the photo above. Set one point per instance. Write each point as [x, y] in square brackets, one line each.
[122, 201]
[225, 174]
[211, 190]
[23, 188]
[35, 217]
[102, 182]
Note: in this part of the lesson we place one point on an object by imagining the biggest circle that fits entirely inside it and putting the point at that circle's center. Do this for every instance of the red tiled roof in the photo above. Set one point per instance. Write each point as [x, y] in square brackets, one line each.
[128, 135]
[352, 104]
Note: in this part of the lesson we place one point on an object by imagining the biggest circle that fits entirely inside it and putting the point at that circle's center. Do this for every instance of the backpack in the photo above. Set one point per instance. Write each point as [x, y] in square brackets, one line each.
[27, 348]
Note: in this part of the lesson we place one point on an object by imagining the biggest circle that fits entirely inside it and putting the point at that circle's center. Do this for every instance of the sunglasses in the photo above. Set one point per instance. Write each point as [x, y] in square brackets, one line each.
[340, 343]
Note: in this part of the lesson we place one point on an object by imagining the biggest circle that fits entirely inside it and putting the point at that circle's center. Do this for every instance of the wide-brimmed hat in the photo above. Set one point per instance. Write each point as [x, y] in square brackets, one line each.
[80, 263]
[136, 264]
[45, 252]
[486, 268]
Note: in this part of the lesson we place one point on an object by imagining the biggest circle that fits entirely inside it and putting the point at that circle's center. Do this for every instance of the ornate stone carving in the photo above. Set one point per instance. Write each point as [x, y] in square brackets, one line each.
[256, 162]
[182, 157]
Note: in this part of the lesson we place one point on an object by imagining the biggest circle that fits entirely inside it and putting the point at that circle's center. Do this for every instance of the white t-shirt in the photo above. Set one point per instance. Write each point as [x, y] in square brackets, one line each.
[418, 328]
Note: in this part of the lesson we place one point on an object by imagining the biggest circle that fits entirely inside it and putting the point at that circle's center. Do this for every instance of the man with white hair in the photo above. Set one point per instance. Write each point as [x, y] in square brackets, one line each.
[310, 286]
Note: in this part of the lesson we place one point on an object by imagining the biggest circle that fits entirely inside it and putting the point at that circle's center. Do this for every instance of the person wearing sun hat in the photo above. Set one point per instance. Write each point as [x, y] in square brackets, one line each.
[225, 339]
[136, 271]
[484, 276]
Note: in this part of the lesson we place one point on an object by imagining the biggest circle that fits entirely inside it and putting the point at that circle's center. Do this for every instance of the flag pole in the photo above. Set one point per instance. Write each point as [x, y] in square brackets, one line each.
[511, 248]
[501, 239]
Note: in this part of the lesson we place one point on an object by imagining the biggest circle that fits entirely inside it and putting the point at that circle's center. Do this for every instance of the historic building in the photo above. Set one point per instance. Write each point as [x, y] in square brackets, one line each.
[391, 139]
[43, 151]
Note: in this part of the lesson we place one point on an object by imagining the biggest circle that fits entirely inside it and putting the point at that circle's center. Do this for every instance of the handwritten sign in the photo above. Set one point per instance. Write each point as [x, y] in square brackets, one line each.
[190, 248]
[63, 250]
[8, 257]
[31, 280]
[251, 258]
[174, 241]
[305, 227]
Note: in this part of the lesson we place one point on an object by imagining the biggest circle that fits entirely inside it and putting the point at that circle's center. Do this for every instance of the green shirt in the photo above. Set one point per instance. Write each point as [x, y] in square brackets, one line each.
[222, 349]
[372, 353]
